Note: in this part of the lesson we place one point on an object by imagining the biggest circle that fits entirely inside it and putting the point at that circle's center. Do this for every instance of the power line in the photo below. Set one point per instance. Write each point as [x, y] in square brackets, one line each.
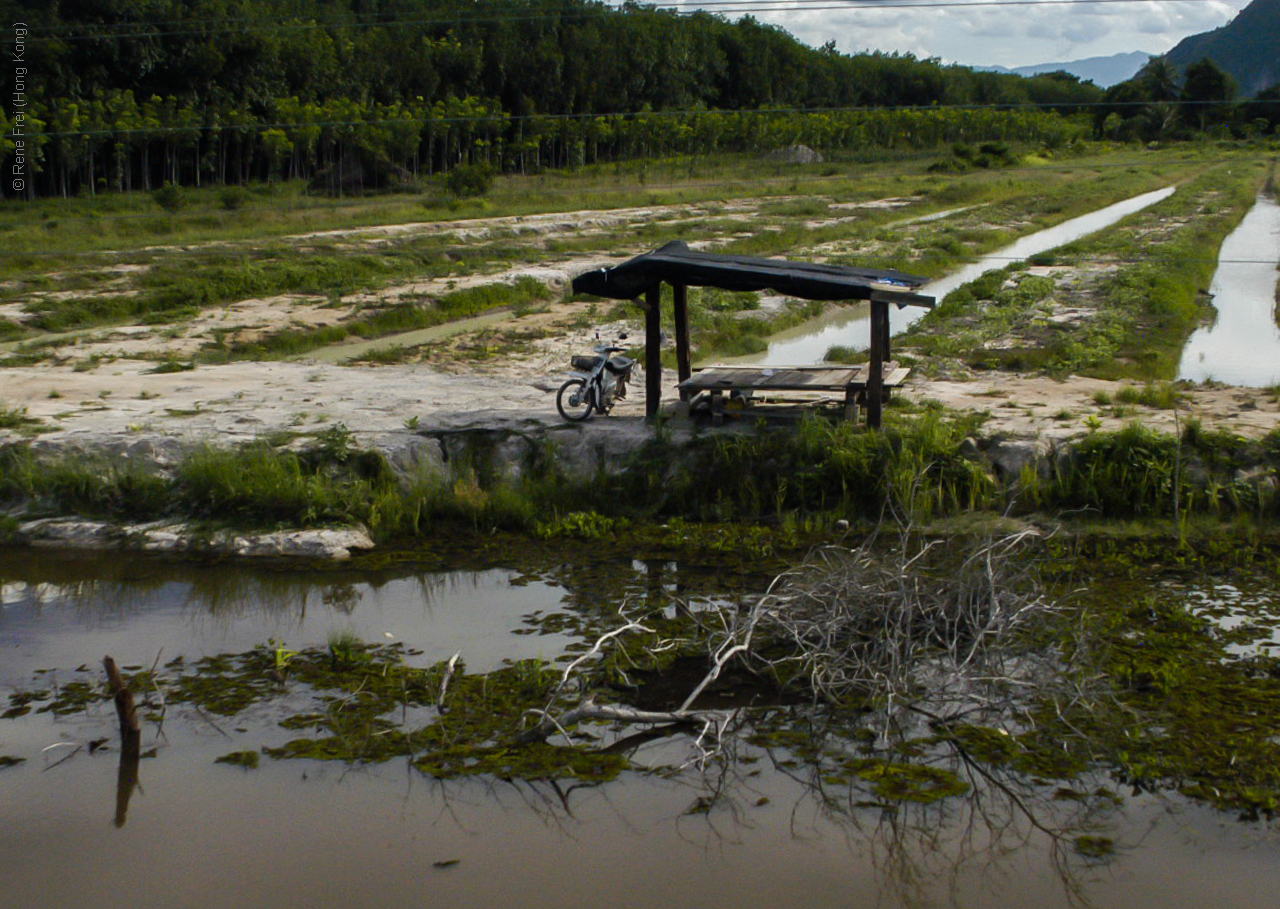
[336, 206]
[501, 118]
[469, 16]
[549, 10]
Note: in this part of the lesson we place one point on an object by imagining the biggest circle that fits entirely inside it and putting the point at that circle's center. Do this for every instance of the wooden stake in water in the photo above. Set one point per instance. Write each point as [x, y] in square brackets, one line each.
[130, 739]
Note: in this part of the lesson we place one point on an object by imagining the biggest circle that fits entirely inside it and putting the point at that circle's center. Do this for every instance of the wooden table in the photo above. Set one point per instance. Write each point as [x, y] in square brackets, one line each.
[849, 380]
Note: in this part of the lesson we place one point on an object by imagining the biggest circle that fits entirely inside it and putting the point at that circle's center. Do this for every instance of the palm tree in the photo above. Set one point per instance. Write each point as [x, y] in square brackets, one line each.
[1158, 80]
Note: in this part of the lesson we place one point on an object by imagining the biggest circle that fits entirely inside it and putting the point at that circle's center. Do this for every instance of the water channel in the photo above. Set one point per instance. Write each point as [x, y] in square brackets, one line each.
[296, 833]
[851, 327]
[1242, 346]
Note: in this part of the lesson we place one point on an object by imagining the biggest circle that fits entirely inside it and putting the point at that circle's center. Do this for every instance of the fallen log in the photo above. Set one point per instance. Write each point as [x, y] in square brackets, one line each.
[590, 710]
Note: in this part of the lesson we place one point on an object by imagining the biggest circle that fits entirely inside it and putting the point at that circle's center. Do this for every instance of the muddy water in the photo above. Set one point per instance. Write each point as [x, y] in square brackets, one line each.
[1242, 346]
[156, 610]
[808, 344]
[302, 833]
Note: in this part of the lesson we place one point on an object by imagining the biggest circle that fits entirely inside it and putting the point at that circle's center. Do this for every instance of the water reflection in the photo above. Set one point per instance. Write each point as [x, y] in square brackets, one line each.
[1004, 839]
[63, 609]
[1242, 346]
[926, 854]
[851, 327]
[53, 617]
[764, 823]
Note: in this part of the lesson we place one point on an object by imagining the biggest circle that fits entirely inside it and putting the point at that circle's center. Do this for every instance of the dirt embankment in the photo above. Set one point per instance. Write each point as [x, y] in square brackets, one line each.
[124, 401]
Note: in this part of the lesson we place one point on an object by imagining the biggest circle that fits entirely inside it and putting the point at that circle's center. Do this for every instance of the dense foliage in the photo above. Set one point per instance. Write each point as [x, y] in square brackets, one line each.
[1161, 102]
[131, 95]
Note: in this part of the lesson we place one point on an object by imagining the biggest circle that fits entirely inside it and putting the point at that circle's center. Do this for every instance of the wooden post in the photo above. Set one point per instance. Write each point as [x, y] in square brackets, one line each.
[885, 352]
[130, 740]
[875, 373]
[652, 351]
[125, 709]
[684, 365]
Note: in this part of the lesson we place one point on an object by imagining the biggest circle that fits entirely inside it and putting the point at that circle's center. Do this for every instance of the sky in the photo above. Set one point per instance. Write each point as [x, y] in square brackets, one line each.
[986, 34]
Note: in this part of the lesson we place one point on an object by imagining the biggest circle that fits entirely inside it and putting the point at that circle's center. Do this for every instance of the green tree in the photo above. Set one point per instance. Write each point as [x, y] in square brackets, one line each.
[1158, 80]
[1207, 93]
[1266, 106]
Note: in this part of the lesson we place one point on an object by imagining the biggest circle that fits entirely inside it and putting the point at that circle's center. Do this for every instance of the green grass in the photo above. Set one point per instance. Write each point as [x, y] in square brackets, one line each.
[53, 233]
[797, 476]
[1157, 395]
[1150, 303]
[1139, 472]
[839, 353]
[16, 418]
[206, 254]
[1023, 199]
[826, 467]
[448, 308]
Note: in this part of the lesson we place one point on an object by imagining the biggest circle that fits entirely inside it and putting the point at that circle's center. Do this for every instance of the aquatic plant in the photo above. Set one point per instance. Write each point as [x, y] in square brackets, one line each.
[346, 649]
[247, 759]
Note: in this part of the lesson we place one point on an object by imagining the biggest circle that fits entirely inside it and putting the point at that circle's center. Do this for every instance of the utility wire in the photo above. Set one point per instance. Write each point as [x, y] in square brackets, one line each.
[550, 10]
[1057, 167]
[318, 236]
[502, 118]
[470, 16]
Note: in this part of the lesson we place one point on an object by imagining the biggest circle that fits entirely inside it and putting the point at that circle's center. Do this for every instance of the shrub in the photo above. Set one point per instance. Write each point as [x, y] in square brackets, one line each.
[467, 181]
[171, 198]
[232, 198]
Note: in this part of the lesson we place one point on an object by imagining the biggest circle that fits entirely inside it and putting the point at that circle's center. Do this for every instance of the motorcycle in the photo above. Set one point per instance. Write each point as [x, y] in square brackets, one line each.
[596, 383]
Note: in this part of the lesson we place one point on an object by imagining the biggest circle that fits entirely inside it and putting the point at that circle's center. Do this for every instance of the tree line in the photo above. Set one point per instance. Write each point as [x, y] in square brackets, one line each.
[345, 145]
[1162, 103]
[134, 94]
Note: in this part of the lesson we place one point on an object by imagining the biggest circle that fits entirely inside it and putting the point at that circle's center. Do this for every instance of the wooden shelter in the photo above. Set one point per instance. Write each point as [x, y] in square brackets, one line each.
[640, 279]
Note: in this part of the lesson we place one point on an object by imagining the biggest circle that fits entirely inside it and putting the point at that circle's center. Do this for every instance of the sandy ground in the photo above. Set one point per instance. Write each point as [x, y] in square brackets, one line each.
[231, 403]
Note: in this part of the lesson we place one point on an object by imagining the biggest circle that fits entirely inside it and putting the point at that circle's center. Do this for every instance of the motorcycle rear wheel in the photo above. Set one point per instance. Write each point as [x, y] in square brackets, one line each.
[575, 390]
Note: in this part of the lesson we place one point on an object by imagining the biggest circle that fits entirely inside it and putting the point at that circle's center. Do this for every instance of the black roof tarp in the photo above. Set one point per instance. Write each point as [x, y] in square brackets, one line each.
[676, 263]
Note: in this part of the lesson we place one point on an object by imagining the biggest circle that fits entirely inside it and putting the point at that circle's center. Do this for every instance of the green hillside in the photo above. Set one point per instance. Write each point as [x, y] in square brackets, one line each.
[1247, 48]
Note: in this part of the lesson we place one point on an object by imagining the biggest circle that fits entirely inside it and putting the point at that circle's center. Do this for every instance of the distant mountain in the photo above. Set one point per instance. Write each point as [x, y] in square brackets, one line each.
[1247, 47]
[1104, 72]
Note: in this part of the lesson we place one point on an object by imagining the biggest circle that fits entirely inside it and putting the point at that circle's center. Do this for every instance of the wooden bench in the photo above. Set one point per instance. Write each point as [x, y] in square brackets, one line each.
[851, 381]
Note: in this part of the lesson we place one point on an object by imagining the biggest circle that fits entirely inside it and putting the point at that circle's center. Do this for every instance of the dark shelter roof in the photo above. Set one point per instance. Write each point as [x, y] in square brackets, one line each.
[676, 263]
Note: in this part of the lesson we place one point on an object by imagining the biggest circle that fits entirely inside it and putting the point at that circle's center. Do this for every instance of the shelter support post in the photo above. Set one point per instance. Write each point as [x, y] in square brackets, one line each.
[879, 355]
[652, 350]
[684, 364]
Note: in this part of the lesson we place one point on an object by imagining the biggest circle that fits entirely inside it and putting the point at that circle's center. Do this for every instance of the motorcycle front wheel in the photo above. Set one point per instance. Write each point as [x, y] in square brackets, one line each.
[574, 400]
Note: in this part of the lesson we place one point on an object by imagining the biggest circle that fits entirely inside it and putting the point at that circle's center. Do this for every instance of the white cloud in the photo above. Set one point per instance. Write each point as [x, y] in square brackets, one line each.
[986, 23]
[1009, 36]
[855, 31]
[1081, 32]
